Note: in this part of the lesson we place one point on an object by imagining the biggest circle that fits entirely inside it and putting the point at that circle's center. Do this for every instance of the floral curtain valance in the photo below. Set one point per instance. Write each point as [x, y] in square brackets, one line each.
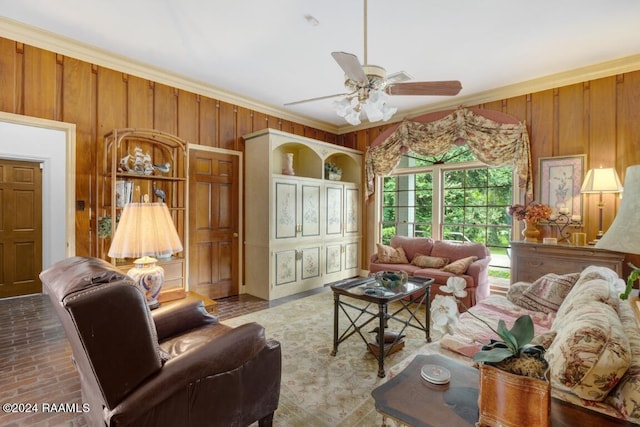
[492, 142]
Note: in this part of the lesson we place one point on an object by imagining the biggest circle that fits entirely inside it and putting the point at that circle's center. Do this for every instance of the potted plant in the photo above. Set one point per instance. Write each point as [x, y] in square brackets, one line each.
[332, 172]
[633, 276]
[514, 384]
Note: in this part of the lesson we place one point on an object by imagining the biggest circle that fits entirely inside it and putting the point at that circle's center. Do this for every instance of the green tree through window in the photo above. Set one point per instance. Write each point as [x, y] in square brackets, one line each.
[450, 197]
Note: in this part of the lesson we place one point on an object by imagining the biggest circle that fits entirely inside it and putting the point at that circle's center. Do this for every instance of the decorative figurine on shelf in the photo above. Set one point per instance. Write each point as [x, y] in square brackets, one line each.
[124, 163]
[288, 164]
[163, 168]
[141, 162]
[160, 194]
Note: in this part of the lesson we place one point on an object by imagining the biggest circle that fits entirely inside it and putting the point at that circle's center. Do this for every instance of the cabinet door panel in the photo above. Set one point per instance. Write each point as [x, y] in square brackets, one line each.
[310, 210]
[333, 258]
[285, 210]
[310, 262]
[351, 255]
[285, 271]
[352, 200]
[334, 210]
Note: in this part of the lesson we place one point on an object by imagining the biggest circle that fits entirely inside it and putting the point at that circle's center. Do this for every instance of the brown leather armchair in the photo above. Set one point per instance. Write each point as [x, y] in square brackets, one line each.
[175, 366]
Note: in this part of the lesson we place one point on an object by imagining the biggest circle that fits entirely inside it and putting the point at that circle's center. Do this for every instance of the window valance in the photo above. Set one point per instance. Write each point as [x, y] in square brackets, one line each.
[495, 138]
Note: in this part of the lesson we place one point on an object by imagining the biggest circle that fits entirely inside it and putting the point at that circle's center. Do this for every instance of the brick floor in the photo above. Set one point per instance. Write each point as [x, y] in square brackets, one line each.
[35, 356]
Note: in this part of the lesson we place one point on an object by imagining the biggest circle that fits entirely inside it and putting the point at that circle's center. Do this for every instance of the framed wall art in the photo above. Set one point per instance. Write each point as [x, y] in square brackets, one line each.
[560, 179]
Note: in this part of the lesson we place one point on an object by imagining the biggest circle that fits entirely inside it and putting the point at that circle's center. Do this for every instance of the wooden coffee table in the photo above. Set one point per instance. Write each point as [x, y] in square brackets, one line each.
[410, 400]
[366, 289]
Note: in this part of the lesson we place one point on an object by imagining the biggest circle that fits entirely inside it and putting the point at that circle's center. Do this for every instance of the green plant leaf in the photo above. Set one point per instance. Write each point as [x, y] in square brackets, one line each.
[507, 337]
[495, 355]
[522, 331]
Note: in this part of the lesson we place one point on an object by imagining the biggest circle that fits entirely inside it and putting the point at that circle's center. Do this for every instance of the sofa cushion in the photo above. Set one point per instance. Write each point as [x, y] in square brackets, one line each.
[590, 352]
[456, 250]
[391, 255]
[459, 266]
[413, 245]
[548, 292]
[426, 261]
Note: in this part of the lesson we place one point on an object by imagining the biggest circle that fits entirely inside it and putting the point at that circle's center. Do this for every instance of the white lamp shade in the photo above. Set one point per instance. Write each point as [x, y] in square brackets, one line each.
[624, 233]
[601, 180]
[145, 229]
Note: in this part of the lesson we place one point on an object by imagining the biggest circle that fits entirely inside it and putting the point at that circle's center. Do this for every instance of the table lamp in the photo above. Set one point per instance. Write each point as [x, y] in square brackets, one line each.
[146, 231]
[601, 180]
[624, 233]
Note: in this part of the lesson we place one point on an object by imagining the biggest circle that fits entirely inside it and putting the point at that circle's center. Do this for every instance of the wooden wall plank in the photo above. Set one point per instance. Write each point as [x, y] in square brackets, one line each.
[165, 108]
[227, 128]
[187, 116]
[628, 122]
[40, 83]
[78, 106]
[571, 121]
[8, 76]
[139, 103]
[208, 122]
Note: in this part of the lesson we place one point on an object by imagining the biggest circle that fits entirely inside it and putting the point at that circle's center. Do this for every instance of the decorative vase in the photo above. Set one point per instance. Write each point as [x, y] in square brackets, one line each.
[510, 400]
[530, 232]
[288, 162]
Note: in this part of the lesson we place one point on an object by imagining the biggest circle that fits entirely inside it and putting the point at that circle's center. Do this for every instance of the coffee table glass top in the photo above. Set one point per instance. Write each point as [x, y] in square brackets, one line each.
[368, 286]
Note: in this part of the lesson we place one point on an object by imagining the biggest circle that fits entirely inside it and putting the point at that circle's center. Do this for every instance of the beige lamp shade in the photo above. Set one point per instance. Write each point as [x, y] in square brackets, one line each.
[601, 180]
[624, 233]
[145, 229]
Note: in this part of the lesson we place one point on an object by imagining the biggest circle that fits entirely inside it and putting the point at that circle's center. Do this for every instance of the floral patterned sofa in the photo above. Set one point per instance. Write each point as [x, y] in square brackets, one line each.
[439, 259]
[592, 337]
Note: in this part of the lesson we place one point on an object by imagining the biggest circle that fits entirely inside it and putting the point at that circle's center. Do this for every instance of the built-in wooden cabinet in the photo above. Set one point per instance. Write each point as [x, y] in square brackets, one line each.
[302, 230]
[135, 163]
[530, 261]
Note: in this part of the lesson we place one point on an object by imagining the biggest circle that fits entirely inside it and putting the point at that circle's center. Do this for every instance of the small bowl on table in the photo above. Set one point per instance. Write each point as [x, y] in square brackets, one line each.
[391, 279]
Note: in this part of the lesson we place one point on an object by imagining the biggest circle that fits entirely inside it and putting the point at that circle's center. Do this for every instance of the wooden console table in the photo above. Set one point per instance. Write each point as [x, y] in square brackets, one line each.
[530, 261]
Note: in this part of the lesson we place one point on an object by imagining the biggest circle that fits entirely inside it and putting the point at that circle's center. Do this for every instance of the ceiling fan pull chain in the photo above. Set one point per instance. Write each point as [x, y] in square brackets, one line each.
[365, 33]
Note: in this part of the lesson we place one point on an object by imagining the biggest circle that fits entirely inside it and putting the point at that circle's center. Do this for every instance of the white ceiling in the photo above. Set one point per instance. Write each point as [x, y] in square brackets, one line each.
[267, 52]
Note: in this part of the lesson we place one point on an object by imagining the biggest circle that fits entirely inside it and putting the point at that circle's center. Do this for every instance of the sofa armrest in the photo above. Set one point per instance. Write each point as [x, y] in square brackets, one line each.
[479, 271]
[180, 316]
[225, 354]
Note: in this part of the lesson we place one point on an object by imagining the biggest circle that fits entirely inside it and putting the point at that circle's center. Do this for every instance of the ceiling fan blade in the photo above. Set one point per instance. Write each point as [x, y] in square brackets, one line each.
[350, 65]
[315, 99]
[445, 88]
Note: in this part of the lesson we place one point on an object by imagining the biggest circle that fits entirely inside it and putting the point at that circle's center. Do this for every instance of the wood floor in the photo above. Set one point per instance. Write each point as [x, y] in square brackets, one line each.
[35, 357]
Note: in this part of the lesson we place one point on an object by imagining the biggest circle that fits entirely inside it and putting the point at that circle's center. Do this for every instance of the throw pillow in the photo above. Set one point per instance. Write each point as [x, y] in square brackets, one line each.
[548, 292]
[426, 261]
[515, 291]
[390, 255]
[459, 266]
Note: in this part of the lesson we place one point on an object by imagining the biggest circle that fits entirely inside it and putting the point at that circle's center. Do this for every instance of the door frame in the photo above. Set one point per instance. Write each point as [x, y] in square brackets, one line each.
[58, 156]
[239, 154]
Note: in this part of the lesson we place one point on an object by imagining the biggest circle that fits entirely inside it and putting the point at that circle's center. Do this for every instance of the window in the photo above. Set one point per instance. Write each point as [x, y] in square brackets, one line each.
[453, 197]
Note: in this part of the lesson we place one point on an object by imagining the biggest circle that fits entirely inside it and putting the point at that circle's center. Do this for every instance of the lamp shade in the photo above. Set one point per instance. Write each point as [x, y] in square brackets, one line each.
[624, 233]
[601, 180]
[145, 229]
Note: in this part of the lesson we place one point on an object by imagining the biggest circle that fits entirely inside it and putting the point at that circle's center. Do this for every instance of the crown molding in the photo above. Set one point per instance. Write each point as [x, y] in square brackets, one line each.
[37, 37]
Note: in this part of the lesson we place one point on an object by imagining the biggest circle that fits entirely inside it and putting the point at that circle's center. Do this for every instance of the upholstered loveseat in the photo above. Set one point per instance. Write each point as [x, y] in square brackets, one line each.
[439, 259]
[592, 337]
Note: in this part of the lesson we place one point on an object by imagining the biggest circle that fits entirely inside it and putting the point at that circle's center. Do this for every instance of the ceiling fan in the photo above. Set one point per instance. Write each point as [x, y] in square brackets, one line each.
[368, 87]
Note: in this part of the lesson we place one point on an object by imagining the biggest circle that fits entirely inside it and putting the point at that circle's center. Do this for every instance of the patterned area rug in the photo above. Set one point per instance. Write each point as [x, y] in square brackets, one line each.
[319, 389]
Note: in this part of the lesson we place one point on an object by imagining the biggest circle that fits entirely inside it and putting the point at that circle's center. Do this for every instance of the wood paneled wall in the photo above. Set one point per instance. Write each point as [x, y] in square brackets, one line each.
[599, 118]
[39, 83]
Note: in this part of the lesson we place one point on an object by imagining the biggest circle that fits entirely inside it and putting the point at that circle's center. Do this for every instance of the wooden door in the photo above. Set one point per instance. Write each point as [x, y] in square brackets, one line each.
[213, 223]
[20, 228]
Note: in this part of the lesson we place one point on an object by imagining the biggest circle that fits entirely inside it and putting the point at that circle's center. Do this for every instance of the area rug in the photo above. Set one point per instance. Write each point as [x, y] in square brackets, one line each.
[319, 389]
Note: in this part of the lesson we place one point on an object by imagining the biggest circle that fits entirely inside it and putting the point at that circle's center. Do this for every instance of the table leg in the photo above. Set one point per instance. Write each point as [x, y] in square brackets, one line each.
[382, 315]
[427, 310]
[336, 307]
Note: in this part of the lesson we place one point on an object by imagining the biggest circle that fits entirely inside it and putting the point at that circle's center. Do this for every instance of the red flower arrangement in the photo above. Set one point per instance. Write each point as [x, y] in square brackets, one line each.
[532, 212]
